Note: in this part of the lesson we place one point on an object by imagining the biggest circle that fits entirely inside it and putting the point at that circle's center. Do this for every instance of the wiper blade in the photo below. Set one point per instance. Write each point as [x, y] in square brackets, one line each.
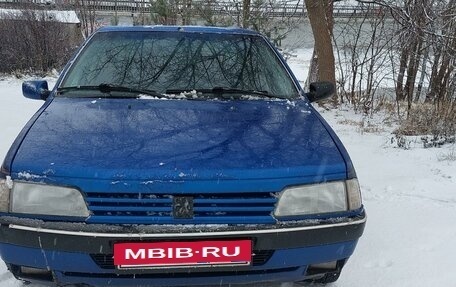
[224, 90]
[108, 88]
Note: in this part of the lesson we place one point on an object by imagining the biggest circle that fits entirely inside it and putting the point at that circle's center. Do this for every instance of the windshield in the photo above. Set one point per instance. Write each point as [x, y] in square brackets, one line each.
[178, 61]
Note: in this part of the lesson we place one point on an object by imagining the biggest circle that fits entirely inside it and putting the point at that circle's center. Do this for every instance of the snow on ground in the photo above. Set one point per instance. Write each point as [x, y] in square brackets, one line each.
[15, 111]
[299, 62]
[410, 196]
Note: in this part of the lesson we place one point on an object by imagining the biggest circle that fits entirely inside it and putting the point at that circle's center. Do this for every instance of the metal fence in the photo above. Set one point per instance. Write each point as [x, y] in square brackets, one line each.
[233, 8]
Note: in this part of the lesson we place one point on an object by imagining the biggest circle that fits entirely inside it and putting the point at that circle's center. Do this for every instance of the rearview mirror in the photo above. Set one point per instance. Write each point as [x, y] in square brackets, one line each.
[35, 90]
[320, 91]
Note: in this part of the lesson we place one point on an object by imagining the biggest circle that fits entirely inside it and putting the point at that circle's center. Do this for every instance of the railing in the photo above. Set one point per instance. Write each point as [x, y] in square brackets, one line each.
[279, 9]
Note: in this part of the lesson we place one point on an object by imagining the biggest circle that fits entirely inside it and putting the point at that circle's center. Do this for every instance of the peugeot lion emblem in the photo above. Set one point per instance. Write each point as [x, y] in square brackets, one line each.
[183, 207]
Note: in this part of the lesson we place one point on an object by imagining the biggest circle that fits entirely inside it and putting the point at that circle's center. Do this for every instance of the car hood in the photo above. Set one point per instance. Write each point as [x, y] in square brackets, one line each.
[176, 139]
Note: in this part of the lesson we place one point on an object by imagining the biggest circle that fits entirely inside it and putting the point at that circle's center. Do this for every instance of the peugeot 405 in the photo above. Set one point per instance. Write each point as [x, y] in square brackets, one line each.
[169, 156]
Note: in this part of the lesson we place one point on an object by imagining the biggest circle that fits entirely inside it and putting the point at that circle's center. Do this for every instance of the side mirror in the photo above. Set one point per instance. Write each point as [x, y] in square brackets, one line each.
[35, 90]
[320, 91]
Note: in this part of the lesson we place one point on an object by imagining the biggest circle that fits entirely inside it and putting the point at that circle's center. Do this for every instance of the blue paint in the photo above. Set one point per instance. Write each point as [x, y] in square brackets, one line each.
[61, 263]
[177, 140]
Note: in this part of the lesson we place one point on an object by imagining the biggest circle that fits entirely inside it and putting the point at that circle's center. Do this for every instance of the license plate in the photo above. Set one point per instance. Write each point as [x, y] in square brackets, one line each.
[182, 254]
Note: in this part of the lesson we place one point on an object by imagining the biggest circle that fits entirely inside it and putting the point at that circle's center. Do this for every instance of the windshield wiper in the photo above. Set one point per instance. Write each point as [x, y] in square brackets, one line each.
[224, 90]
[108, 88]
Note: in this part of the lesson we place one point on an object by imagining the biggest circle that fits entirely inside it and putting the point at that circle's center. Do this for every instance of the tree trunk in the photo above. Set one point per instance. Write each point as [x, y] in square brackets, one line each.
[414, 61]
[422, 76]
[245, 13]
[186, 14]
[400, 95]
[321, 23]
[431, 95]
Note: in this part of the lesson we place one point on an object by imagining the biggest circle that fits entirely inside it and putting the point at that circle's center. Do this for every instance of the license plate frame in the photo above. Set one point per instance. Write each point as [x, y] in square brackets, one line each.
[182, 254]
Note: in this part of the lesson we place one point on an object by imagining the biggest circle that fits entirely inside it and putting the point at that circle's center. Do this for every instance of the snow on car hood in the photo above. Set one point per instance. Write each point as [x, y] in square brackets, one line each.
[176, 139]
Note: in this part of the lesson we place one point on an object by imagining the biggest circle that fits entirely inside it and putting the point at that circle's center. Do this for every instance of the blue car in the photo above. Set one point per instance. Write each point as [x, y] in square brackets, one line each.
[177, 156]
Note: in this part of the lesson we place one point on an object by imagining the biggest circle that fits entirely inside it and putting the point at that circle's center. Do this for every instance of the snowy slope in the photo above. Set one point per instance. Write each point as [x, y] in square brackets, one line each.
[410, 197]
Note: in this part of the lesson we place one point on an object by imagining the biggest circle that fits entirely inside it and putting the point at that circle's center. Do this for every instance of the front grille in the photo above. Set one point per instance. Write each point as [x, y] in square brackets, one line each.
[211, 208]
[260, 257]
[105, 261]
[185, 275]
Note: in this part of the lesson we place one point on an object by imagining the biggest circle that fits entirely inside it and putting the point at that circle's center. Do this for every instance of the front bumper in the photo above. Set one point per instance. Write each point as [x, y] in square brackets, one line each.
[80, 253]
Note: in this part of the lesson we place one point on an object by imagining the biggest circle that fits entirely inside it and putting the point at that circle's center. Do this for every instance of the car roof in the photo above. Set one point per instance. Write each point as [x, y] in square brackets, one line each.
[190, 29]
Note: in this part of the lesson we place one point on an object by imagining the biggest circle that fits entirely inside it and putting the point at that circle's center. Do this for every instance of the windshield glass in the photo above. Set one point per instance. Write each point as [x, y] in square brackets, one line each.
[164, 61]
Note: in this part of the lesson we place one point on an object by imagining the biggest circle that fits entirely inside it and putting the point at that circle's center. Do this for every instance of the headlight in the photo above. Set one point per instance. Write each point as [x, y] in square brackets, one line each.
[35, 198]
[5, 188]
[327, 197]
